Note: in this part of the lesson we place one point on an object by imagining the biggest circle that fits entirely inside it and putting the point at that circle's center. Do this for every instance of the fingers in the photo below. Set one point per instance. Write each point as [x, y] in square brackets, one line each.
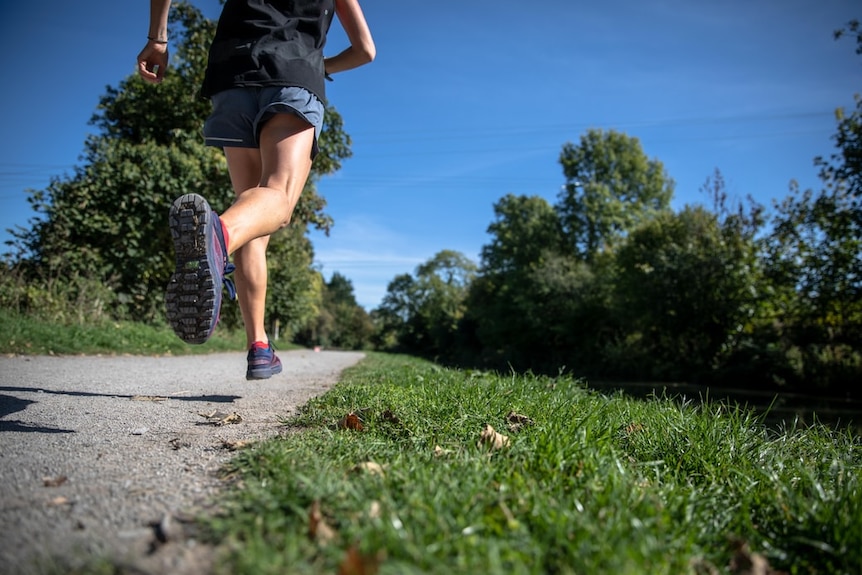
[152, 64]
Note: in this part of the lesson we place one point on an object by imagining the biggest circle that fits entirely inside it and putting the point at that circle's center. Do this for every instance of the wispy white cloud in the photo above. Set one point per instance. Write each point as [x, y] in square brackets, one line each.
[369, 254]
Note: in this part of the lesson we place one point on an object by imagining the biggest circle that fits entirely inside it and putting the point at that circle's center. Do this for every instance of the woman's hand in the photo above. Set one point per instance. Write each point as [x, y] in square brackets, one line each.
[153, 61]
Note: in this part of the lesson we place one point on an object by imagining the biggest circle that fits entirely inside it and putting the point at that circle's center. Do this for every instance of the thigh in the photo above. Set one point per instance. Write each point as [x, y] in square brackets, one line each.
[286, 143]
[244, 167]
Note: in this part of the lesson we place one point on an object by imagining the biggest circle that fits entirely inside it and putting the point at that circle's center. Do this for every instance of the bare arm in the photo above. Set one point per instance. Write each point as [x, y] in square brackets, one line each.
[153, 59]
[361, 50]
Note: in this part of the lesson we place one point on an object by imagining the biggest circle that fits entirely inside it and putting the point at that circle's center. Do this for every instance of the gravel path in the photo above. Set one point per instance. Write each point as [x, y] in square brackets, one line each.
[106, 456]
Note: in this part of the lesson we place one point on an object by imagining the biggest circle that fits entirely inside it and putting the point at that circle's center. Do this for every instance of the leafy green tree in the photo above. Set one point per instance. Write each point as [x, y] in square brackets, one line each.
[814, 257]
[341, 321]
[687, 290]
[394, 318]
[611, 188]
[503, 303]
[108, 221]
[424, 313]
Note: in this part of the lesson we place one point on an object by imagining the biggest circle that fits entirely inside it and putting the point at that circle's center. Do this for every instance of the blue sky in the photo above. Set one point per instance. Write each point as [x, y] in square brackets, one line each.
[469, 101]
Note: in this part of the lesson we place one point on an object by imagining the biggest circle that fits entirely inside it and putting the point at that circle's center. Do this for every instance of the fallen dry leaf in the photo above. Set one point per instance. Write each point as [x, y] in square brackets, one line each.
[368, 467]
[221, 418]
[745, 562]
[490, 438]
[374, 510]
[516, 421]
[440, 452]
[318, 530]
[54, 481]
[176, 443]
[235, 445]
[358, 563]
[390, 417]
[350, 421]
[57, 501]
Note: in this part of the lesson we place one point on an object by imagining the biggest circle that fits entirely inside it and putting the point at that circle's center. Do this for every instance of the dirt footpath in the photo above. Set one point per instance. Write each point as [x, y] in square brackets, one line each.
[110, 456]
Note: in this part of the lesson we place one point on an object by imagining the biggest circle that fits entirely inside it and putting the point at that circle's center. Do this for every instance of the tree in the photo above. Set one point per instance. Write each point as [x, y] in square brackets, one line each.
[503, 303]
[394, 317]
[108, 220]
[611, 188]
[687, 289]
[341, 321]
[814, 257]
[423, 314]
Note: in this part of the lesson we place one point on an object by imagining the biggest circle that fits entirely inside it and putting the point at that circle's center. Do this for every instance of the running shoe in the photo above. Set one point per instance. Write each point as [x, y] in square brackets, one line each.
[262, 361]
[194, 294]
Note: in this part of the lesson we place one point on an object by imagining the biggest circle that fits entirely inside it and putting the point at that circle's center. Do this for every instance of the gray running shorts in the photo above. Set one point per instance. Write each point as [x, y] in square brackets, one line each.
[239, 113]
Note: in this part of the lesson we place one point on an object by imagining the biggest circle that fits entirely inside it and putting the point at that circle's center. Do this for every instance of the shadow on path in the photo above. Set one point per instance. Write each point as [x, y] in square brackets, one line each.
[208, 398]
[10, 404]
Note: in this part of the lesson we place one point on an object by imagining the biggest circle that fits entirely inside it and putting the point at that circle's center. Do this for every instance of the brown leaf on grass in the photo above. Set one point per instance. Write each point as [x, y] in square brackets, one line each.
[221, 418]
[374, 510]
[490, 438]
[54, 481]
[368, 467]
[350, 421]
[516, 421]
[389, 417]
[357, 563]
[745, 562]
[633, 428]
[318, 530]
[440, 452]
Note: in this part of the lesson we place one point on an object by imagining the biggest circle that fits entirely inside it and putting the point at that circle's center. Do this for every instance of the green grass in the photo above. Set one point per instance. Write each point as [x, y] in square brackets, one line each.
[28, 335]
[597, 484]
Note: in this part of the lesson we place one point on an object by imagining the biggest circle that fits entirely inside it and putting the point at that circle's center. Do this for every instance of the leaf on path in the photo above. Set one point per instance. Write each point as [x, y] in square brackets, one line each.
[351, 421]
[167, 529]
[516, 421]
[148, 398]
[54, 481]
[221, 418]
[58, 501]
[357, 563]
[235, 445]
[369, 467]
[490, 438]
[318, 529]
[177, 443]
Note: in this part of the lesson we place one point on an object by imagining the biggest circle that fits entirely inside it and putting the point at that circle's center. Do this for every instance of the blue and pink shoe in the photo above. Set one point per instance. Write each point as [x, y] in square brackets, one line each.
[262, 361]
[194, 294]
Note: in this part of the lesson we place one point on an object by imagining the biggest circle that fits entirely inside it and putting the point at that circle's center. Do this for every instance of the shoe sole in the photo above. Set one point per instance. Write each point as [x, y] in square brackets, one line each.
[263, 372]
[192, 299]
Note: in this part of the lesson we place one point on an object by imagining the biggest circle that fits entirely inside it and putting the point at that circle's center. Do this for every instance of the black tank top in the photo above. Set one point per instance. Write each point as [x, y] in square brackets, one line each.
[269, 43]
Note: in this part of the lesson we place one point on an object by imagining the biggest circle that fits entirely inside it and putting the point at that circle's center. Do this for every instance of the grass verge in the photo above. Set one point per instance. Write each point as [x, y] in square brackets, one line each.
[587, 483]
[29, 335]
